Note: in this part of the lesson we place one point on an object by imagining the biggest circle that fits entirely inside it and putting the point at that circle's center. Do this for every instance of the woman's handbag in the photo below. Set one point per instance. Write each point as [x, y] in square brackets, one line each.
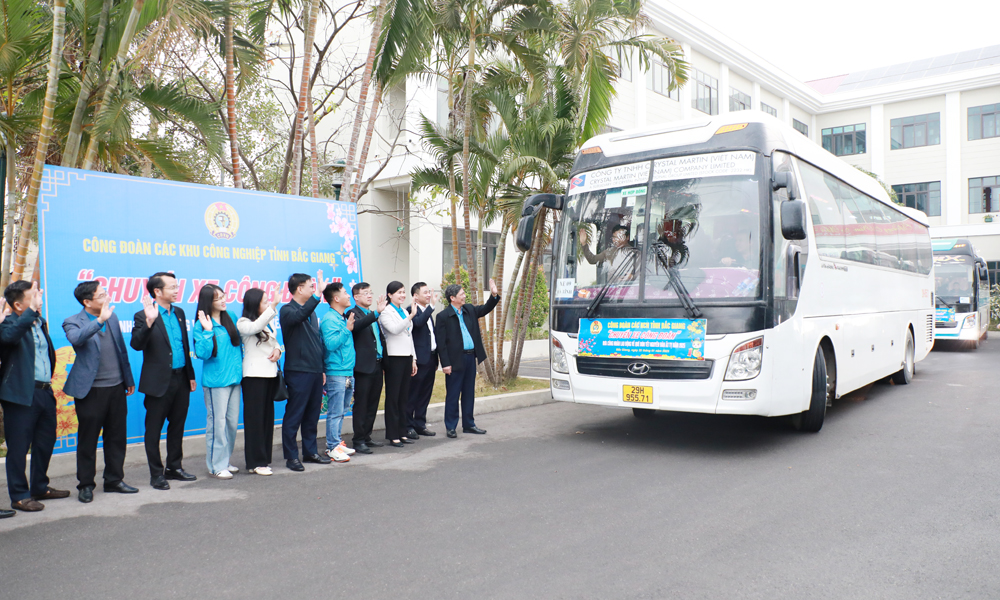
[281, 393]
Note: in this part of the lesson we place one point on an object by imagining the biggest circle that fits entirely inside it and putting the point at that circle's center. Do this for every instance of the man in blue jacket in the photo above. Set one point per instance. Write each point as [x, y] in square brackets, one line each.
[100, 380]
[29, 407]
[338, 362]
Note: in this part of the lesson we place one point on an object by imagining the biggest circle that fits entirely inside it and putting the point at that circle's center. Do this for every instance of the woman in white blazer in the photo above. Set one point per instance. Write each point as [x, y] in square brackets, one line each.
[399, 362]
[261, 352]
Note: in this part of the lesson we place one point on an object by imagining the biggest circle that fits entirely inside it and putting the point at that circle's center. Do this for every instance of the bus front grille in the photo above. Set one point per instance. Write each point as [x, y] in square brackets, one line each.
[655, 369]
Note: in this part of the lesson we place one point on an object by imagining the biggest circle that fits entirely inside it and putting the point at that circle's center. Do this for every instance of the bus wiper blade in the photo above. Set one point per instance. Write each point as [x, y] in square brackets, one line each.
[938, 299]
[675, 282]
[623, 268]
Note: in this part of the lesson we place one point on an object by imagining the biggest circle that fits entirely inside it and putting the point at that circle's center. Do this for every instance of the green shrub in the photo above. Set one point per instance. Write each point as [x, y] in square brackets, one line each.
[539, 315]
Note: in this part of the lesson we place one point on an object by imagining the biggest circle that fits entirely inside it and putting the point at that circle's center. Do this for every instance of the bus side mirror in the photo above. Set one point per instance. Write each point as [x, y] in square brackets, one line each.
[784, 179]
[553, 201]
[793, 220]
[525, 230]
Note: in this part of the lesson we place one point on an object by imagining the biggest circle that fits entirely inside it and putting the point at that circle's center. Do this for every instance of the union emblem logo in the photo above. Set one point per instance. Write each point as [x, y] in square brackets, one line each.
[595, 327]
[222, 221]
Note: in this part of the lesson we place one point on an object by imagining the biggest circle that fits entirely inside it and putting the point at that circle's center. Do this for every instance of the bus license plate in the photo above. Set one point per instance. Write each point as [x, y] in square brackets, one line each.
[640, 394]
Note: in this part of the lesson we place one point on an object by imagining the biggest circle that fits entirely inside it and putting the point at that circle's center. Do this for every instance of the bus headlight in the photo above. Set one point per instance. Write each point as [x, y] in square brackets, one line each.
[745, 360]
[969, 322]
[559, 362]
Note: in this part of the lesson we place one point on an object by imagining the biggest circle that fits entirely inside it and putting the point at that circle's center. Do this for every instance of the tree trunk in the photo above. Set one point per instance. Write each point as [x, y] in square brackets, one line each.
[313, 151]
[369, 134]
[44, 133]
[524, 299]
[286, 169]
[452, 196]
[496, 333]
[490, 340]
[466, 138]
[112, 84]
[366, 78]
[72, 152]
[510, 305]
[10, 213]
[234, 142]
[304, 99]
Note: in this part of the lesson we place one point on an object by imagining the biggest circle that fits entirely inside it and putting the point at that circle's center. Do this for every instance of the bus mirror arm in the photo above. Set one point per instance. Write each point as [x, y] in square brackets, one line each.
[793, 220]
[553, 201]
[784, 179]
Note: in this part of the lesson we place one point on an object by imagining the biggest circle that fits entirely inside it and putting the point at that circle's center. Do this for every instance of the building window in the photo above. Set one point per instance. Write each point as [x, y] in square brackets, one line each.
[624, 70]
[984, 121]
[800, 127]
[490, 243]
[921, 196]
[984, 195]
[706, 93]
[993, 267]
[739, 101]
[660, 80]
[769, 110]
[913, 132]
[846, 140]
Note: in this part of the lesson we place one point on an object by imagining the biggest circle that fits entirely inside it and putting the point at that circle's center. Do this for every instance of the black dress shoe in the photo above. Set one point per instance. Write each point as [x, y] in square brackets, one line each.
[374, 443]
[426, 432]
[396, 444]
[121, 488]
[412, 434]
[295, 465]
[86, 494]
[362, 448]
[6, 514]
[179, 475]
[159, 482]
[473, 429]
[406, 440]
[319, 459]
[452, 433]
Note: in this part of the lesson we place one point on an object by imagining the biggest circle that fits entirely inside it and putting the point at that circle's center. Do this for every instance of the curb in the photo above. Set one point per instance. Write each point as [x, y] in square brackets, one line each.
[63, 465]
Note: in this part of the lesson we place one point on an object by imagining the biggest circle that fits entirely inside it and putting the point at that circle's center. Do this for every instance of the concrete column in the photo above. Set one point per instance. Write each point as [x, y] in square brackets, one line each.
[755, 96]
[813, 133]
[952, 185]
[876, 141]
[685, 95]
[786, 111]
[723, 89]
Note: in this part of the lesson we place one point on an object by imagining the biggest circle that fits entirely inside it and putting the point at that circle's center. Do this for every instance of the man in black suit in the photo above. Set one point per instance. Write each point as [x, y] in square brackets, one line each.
[369, 345]
[100, 380]
[167, 377]
[427, 360]
[304, 372]
[27, 360]
[460, 348]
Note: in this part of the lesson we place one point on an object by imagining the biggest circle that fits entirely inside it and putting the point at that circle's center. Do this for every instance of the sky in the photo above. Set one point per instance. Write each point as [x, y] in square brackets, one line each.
[812, 40]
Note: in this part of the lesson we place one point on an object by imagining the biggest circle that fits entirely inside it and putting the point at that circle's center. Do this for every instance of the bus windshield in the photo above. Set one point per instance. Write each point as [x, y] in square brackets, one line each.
[954, 278]
[630, 238]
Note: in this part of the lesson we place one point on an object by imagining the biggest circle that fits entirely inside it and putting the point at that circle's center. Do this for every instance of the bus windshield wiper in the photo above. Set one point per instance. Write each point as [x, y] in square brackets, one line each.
[938, 299]
[623, 267]
[675, 282]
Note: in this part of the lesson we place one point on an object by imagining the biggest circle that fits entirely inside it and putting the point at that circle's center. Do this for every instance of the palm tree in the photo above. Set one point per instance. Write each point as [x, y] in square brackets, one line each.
[91, 69]
[312, 15]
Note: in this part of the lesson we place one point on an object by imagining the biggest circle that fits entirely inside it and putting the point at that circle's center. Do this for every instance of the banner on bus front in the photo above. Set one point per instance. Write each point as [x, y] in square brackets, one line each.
[669, 339]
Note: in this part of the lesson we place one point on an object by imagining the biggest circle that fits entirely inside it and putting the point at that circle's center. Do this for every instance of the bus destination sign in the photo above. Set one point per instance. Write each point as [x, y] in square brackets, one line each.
[665, 339]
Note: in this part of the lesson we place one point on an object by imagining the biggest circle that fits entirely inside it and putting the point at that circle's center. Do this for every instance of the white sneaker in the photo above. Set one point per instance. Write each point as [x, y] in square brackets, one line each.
[339, 455]
[223, 475]
[233, 469]
[261, 471]
[348, 450]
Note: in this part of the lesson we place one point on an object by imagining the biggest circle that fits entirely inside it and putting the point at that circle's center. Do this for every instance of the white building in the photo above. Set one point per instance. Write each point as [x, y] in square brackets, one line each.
[930, 128]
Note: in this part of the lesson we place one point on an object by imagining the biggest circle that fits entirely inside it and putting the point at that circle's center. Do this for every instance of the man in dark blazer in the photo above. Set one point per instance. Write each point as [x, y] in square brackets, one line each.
[369, 345]
[460, 348]
[100, 380]
[27, 360]
[427, 360]
[167, 377]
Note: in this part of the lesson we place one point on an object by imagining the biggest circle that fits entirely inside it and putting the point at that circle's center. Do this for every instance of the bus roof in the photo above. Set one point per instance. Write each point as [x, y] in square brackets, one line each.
[760, 131]
[953, 246]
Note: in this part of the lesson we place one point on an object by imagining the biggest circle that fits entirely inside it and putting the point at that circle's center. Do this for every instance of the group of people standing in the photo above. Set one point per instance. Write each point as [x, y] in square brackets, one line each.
[347, 355]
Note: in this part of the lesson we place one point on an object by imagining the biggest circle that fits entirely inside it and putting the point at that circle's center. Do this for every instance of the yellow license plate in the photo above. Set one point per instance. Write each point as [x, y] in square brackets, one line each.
[640, 394]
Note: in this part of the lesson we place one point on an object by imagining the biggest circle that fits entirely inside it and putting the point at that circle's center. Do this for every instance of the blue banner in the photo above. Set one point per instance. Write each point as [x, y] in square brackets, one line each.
[944, 315]
[120, 230]
[671, 339]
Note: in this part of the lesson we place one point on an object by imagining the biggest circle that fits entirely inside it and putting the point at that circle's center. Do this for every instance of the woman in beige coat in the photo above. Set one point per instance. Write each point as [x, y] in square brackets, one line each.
[261, 352]
[399, 362]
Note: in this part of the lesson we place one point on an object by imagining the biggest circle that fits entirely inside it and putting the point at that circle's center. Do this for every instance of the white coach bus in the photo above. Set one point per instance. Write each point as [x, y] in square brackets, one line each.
[963, 292]
[729, 265]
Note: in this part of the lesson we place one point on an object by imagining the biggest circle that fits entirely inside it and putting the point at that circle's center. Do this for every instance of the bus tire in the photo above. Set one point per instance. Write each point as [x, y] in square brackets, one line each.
[974, 344]
[644, 413]
[905, 375]
[811, 420]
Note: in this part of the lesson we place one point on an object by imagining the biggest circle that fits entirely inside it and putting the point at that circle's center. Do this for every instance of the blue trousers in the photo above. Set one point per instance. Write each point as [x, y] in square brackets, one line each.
[305, 399]
[460, 383]
[29, 426]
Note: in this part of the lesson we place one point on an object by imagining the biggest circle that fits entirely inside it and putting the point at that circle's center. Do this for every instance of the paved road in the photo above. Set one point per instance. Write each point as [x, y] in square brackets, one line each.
[897, 498]
[534, 367]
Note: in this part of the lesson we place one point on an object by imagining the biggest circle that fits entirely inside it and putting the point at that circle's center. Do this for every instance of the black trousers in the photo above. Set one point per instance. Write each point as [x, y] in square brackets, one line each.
[461, 383]
[367, 391]
[102, 408]
[398, 372]
[305, 399]
[258, 420]
[35, 427]
[171, 408]
[421, 387]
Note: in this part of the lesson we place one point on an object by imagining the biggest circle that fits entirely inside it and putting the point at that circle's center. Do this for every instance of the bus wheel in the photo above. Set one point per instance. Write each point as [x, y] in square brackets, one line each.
[905, 375]
[812, 419]
[643, 413]
[974, 344]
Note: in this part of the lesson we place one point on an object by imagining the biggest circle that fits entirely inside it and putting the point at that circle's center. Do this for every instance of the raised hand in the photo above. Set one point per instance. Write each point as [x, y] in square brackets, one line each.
[413, 310]
[435, 298]
[320, 282]
[36, 300]
[206, 323]
[149, 309]
[106, 312]
[382, 303]
[493, 288]
[350, 322]
[4, 309]
[582, 236]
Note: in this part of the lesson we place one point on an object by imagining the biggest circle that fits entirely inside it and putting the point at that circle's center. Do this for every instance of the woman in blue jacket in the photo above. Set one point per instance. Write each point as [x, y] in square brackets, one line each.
[217, 343]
